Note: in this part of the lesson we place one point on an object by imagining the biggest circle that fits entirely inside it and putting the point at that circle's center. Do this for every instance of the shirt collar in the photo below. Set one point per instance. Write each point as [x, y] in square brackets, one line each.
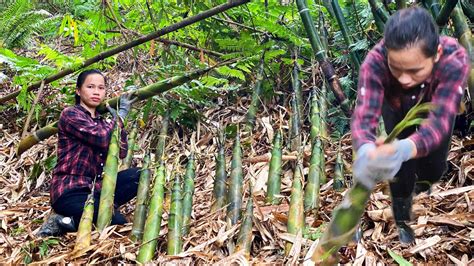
[80, 107]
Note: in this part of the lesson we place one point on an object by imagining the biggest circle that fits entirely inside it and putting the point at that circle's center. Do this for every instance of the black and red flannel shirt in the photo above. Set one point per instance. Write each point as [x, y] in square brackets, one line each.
[83, 143]
[444, 88]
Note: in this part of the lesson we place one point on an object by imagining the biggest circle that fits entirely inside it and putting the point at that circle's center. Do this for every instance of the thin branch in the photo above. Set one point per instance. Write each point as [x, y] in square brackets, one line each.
[32, 110]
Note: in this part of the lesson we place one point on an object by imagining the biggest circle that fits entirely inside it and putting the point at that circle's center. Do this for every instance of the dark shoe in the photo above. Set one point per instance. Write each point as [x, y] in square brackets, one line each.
[56, 225]
[402, 213]
[423, 186]
[405, 233]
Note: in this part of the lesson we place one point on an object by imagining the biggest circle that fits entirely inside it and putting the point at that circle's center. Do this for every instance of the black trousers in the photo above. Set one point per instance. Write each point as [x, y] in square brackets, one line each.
[72, 202]
[429, 168]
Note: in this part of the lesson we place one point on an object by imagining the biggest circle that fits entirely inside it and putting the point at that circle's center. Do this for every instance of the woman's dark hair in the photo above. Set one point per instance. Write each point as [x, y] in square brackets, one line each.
[412, 26]
[82, 78]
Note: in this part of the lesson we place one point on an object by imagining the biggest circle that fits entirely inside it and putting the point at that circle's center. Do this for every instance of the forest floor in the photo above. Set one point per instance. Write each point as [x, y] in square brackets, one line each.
[443, 221]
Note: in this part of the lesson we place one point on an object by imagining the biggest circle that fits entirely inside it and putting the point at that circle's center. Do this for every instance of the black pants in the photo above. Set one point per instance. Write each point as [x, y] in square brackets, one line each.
[429, 168]
[72, 202]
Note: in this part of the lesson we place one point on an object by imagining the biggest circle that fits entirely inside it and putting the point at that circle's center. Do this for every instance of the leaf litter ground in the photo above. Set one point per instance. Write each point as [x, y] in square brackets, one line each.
[443, 221]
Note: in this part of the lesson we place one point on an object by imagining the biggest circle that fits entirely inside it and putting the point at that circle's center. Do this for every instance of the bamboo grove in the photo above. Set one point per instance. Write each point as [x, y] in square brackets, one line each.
[166, 194]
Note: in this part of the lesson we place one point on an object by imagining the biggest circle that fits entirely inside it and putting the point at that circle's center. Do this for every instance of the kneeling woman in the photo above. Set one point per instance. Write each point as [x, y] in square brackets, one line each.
[83, 142]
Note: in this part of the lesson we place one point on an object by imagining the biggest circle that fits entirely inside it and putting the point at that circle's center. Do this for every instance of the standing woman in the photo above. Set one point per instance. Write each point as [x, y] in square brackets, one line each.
[83, 141]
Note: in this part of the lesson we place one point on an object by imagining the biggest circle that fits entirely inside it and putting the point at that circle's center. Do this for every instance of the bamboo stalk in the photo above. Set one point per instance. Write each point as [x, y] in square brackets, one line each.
[296, 84]
[244, 239]
[143, 93]
[346, 216]
[345, 33]
[378, 11]
[445, 12]
[234, 199]
[256, 97]
[127, 161]
[175, 221]
[142, 195]
[219, 190]
[338, 183]
[185, 22]
[311, 193]
[160, 147]
[32, 110]
[315, 117]
[188, 189]
[320, 54]
[464, 35]
[274, 172]
[295, 130]
[468, 8]
[109, 180]
[153, 220]
[296, 212]
[83, 237]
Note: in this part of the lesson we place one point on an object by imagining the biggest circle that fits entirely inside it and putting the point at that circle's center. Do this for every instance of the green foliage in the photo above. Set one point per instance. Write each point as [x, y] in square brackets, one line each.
[20, 22]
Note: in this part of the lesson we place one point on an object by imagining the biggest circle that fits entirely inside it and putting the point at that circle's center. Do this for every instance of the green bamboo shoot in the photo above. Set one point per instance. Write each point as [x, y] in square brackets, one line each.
[311, 193]
[274, 173]
[127, 161]
[244, 239]
[109, 180]
[295, 123]
[296, 212]
[234, 198]
[219, 190]
[175, 221]
[315, 117]
[256, 97]
[338, 183]
[153, 220]
[160, 147]
[83, 238]
[296, 84]
[188, 189]
[142, 194]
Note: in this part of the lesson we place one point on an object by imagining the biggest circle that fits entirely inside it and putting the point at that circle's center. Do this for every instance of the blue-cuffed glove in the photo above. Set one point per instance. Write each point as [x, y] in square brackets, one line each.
[386, 167]
[360, 170]
[125, 103]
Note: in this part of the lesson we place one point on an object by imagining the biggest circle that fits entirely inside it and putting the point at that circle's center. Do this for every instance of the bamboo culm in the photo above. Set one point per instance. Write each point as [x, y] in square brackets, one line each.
[296, 212]
[234, 199]
[175, 221]
[274, 172]
[141, 204]
[188, 192]
[153, 220]
[220, 186]
[244, 239]
[83, 238]
[109, 181]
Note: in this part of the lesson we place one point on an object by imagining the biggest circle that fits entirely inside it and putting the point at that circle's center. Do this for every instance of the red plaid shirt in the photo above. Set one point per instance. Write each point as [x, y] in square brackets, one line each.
[444, 88]
[83, 143]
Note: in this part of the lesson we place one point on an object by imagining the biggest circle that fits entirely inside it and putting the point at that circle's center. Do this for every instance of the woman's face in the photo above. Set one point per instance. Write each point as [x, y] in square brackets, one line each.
[410, 66]
[92, 91]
